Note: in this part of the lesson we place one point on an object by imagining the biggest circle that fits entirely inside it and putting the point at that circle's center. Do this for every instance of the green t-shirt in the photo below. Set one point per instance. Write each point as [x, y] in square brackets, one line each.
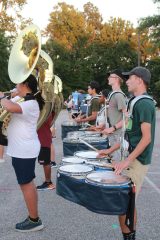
[93, 107]
[143, 111]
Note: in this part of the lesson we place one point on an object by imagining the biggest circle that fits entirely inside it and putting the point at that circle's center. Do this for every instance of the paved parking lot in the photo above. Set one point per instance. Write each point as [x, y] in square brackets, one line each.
[65, 220]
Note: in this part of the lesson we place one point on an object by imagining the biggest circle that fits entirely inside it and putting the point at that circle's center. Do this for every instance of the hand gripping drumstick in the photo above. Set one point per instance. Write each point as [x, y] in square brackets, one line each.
[87, 144]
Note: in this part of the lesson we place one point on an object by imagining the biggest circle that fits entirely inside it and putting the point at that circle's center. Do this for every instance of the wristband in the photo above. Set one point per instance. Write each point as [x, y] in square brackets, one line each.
[114, 127]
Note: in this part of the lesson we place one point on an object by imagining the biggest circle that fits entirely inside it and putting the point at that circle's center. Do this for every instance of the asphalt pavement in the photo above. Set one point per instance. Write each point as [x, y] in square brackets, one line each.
[65, 220]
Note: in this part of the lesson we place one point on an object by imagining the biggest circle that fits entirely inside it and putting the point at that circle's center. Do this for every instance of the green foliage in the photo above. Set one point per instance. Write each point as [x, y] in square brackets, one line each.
[5, 83]
[80, 65]
[153, 66]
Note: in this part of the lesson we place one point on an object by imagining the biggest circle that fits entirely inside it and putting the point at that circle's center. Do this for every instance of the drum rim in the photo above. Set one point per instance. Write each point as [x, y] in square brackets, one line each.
[75, 173]
[90, 162]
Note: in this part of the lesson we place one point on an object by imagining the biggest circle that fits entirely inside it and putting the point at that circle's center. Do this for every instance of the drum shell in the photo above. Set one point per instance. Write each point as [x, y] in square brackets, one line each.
[69, 127]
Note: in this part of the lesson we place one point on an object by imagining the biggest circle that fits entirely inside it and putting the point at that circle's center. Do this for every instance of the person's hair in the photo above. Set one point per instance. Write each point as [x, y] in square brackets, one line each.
[32, 84]
[105, 93]
[95, 85]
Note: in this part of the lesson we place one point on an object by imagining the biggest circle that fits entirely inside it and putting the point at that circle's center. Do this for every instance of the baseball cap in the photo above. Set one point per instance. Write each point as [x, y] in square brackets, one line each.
[118, 72]
[141, 72]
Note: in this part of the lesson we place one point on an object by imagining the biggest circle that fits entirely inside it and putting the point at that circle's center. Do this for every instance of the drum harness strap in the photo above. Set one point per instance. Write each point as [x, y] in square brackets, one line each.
[131, 205]
[132, 102]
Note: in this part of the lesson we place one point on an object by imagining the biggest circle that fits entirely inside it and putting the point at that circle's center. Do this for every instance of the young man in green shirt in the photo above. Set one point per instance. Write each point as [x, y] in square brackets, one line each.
[140, 131]
[140, 135]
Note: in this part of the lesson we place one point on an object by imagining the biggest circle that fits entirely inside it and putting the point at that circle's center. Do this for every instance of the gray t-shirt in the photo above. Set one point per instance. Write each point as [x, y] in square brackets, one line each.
[116, 104]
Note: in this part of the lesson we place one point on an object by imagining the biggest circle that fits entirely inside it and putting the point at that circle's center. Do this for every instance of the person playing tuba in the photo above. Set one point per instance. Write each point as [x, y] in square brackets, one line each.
[23, 142]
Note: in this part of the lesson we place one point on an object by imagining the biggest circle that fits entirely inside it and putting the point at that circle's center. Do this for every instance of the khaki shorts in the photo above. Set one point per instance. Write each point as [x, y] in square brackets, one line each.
[137, 171]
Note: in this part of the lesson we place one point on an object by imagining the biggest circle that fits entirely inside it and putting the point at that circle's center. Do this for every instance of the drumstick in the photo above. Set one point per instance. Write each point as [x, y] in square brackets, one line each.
[87, 144]
[108, 165]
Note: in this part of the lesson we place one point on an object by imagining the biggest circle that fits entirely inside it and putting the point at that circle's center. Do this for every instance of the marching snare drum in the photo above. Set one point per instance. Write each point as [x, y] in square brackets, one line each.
[69, 126]
[107, 193]
[72, 145]
[72, 160]
[75, 170]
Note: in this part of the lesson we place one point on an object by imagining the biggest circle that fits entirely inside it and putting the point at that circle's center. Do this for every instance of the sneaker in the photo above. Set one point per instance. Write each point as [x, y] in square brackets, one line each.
[53, 164]
[46, 186]
[2, 160]
[29, 226]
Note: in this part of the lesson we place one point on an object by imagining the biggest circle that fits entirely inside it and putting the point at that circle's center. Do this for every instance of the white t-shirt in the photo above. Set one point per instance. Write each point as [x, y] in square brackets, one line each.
[22, 135]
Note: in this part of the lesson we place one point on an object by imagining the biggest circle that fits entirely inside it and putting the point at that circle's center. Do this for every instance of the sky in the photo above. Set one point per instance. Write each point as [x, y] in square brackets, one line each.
[130, 10]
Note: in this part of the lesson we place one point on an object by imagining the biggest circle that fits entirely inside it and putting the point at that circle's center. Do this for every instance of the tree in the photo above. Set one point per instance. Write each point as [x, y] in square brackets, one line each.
[4, 55]
[152, 23]
[10, 17]
[66, 25]
[154, 88]
[93, 20]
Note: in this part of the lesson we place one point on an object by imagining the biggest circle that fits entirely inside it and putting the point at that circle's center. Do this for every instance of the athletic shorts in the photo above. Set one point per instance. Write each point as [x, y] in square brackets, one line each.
[24, 169]
[44, 157]
[137, 172]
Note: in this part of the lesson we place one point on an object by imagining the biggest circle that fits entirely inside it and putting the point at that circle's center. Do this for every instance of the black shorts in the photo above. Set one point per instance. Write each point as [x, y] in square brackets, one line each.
[24, 169]
[44, 157]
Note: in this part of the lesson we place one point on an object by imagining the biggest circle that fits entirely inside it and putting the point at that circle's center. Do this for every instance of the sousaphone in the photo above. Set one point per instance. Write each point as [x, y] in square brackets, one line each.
[27, 58]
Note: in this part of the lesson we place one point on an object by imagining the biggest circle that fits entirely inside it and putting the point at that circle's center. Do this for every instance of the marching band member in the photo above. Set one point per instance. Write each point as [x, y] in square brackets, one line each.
[101, 121]
[24, 146]
[44, 158]
[93, 106]
[140, 131]
[116, 107]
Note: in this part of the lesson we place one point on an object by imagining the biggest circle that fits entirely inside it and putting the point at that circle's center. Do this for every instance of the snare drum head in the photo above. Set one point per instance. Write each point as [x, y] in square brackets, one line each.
[94, 138]
[92, 133]
[86, 154]
[75, 169]
[107, 178]
[69, 123]
[73, 160]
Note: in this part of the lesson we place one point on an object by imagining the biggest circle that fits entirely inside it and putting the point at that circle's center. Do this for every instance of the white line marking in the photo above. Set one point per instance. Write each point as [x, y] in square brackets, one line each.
[152, 184]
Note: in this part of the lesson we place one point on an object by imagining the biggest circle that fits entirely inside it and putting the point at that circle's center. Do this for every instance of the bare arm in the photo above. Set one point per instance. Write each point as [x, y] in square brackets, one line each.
[11, 106]
[108, 151]
[90, 118]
